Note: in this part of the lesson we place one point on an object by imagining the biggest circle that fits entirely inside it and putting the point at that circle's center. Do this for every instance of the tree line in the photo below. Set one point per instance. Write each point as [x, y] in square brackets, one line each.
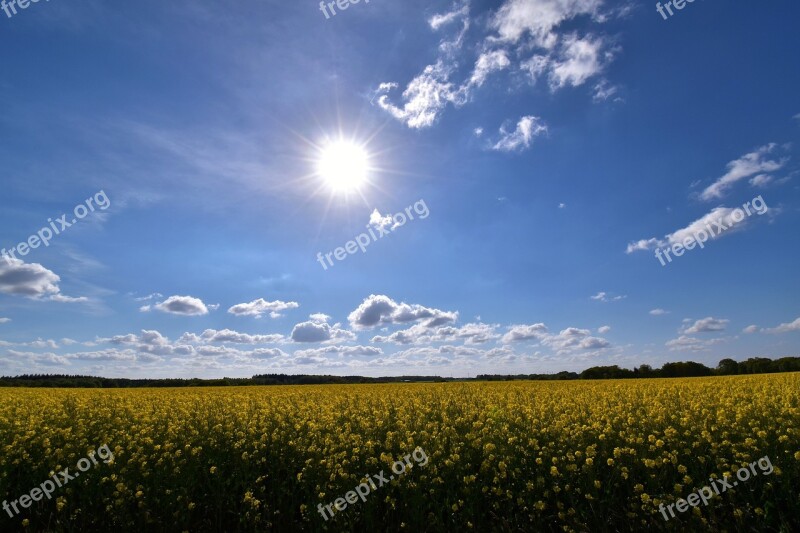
[726, 367]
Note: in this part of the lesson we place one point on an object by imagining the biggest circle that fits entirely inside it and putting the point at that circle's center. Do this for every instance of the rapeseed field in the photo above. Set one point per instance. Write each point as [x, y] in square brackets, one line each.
[501, 456]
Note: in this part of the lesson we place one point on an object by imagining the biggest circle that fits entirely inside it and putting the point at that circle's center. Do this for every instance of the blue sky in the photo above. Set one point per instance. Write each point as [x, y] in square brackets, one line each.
[549, 147]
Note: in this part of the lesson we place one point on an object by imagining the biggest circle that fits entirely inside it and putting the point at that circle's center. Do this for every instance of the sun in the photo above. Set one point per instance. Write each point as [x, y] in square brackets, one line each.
[343, 166]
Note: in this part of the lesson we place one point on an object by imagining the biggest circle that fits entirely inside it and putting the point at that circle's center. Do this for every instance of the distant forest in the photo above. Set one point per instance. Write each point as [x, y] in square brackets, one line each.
[726, 367]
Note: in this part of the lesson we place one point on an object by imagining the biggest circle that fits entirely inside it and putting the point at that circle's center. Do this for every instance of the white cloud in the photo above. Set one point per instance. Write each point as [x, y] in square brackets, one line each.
[567, 341]
[31, 280]
[517, 27]
[603, 329]
[260, 307]
[314, 331]
[536, 66]
[518, 19]
[32, 358]
[179, 305]
[746, 166]
[443, 19]
[153, 296]
[643, 245]
[68, 299]
[418, 333]
[692, 344]
[227, 335]
[658, 312]
[380, 310]
[785, 327]
[574, 339]
[524, 333]
[4, 320]
[39, 343]
[580, 58]
[762, 180]
[340, 350]
[380, 221]
[750, 329]
[707, 325]
[151, 345]
[487, 63]
[603, 90]
[605, 297]
[718, 222]
[528, 128]
[425, 98]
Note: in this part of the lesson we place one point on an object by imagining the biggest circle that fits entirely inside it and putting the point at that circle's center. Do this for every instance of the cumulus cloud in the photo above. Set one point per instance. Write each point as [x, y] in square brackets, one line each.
[539, 19]
[750, 329]
[315, 331]
[4, 320]
[756, 162]
[234, 337]
[602, 330]
[692, 344]
[580, 59]
[521, 333]
[380, 221]
[528, 128]
[179, 305]
[260, 307]
[39, 343]
[707, 325]
[150, 345]
[31, 280]
[380, 310]
[340, 350]
[566, 341]
[33, 358]
[658, 312]
[419, 333]
[785, 327]
[574, 339]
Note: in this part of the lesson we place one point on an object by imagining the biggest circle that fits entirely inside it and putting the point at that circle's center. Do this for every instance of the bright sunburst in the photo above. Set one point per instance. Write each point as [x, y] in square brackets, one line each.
[343, 166]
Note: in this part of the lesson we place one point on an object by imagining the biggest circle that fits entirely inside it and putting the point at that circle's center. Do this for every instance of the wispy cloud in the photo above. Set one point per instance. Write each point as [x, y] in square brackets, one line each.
[756, 162]
[528, 128]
